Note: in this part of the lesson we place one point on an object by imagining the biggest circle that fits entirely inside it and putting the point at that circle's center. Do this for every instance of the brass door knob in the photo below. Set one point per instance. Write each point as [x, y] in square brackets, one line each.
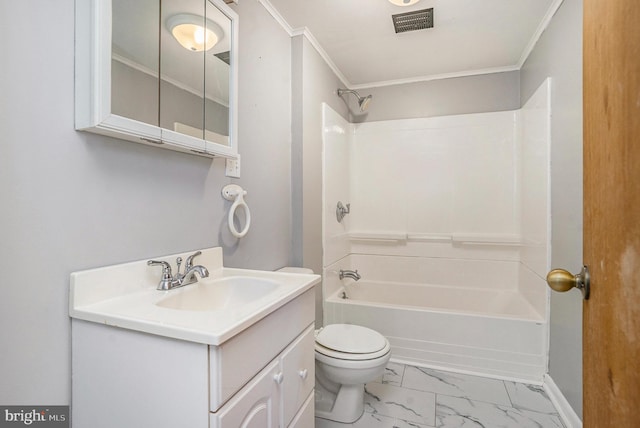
[562, 280]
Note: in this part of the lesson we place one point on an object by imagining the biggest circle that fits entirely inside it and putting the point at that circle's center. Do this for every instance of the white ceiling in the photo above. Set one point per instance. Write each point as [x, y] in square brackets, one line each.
[469, 37]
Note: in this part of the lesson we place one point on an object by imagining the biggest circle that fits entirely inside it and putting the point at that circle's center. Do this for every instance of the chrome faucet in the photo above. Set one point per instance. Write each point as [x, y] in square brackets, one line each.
[169, 282]
[349, 274]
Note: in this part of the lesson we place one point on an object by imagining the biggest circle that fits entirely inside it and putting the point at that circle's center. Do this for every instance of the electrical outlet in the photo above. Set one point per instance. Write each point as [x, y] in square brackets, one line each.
[233, 168]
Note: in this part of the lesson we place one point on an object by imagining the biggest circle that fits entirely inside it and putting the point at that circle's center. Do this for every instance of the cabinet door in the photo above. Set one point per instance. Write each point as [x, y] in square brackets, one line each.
[257, 405]
[305, 417]
[298, 363]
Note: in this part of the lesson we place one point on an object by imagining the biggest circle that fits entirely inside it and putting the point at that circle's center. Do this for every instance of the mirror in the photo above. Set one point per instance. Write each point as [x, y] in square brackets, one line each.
[182, 67]
[172, 66]
[135, 60]
[217, 79]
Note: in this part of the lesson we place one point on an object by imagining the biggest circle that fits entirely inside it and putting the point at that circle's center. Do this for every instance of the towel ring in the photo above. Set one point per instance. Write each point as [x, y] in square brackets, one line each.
[235, 193]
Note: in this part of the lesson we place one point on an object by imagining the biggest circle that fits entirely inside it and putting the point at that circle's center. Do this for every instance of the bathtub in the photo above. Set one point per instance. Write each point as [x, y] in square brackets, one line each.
[438, 316]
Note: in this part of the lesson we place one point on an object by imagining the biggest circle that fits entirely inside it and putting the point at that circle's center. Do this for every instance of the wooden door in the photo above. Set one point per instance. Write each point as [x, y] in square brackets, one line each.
[611, 320]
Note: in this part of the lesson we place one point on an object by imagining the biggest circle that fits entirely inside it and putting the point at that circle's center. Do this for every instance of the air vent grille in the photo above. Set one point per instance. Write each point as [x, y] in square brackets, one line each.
[411, 21]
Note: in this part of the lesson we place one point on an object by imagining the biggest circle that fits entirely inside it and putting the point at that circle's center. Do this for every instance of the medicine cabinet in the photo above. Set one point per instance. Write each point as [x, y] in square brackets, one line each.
[159, 72]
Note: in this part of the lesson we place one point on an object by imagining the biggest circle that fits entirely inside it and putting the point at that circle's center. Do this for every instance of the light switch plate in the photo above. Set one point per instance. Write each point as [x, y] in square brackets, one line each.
[233, 168]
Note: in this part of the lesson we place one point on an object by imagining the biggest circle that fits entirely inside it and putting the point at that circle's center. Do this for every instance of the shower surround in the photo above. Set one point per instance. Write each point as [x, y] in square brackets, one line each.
[449, 229]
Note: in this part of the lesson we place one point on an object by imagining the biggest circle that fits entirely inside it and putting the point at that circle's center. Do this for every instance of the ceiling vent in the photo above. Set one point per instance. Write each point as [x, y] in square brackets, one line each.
[411, 21]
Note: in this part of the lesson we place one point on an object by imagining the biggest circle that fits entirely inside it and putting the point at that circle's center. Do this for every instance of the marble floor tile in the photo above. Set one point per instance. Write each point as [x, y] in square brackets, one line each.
[456, 385]
[529, 397]
[412, 397]
[401, 403]
[370, 420]
[393, 374]
[455, 412]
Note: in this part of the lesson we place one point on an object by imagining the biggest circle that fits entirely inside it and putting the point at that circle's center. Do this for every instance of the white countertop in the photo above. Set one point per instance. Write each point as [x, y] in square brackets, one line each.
[125, 296]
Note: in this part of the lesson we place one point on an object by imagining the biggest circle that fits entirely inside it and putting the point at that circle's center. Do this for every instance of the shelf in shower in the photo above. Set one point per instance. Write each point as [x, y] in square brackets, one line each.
[375, 236]
[481, 239]
[390, 237]
[429, 237]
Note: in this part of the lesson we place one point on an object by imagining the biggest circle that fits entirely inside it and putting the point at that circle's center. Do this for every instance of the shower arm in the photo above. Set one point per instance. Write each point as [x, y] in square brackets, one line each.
[363, 102]
[348, 91]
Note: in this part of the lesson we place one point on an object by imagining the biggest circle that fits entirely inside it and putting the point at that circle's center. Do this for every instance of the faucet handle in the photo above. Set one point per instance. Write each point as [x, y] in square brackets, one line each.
[189, 263]
[166, 268]
[178, 263]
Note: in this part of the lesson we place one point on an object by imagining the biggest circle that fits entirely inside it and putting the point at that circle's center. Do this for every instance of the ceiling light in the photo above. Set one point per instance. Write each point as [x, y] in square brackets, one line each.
[188, 30]
[404, 2]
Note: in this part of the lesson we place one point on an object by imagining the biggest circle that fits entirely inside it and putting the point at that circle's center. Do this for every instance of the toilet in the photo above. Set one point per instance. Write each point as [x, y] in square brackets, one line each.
[347, 357]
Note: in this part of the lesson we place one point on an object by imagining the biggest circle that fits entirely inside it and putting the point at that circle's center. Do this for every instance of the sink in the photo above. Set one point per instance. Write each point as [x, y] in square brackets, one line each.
[211, 311]
[218, 294]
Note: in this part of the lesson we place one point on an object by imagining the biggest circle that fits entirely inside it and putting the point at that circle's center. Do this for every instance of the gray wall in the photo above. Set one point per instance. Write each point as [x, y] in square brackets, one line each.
[313, 83]
[73, 200]
[461, 95]
[559, 54]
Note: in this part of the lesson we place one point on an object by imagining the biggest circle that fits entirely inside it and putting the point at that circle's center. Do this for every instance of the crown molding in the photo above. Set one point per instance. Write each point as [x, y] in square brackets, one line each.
[541, 28]
[276, 15]
[325, 56]
[433, 77]
[305, 32]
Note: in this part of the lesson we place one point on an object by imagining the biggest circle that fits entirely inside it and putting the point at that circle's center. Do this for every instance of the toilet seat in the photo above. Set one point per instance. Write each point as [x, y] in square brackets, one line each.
[350, 342]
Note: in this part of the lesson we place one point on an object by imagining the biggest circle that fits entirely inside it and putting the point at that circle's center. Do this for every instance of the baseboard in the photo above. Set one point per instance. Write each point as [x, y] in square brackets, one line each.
[495, 363]
[568, 415]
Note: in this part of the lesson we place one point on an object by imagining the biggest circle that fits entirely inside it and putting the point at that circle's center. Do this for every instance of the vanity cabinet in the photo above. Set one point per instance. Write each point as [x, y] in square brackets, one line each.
[262, 377]
[285, 384]
[136, 80]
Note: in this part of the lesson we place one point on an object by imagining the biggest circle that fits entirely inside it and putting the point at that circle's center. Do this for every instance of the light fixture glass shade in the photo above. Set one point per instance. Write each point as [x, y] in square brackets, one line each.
[188, 30]
[404, 2]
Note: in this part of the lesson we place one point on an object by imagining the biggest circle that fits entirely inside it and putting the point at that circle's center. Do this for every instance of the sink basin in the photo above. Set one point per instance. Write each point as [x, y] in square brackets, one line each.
[218, 294]
[211, 311]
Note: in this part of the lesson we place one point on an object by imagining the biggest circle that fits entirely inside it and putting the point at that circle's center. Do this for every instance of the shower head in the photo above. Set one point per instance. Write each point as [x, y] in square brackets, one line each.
[363, 102]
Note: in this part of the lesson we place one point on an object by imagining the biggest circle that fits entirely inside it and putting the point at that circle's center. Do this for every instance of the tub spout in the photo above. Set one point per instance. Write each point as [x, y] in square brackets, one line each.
[353, 274]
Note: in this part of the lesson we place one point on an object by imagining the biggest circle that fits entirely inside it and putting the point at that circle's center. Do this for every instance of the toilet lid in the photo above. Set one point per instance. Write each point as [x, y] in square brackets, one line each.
[353, 339]
[337, 355]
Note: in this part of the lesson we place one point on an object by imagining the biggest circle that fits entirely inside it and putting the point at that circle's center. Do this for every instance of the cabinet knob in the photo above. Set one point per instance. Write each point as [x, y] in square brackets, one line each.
[303, 373]
[278, 377]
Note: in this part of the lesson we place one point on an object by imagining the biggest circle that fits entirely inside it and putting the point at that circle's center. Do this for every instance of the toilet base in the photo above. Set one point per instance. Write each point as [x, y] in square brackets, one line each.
[347, 406]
